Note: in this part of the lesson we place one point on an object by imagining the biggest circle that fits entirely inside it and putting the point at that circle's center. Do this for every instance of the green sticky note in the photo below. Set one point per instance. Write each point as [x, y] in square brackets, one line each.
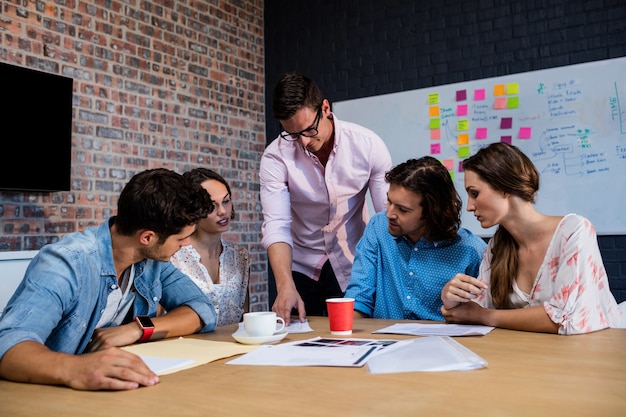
[464, 151]
[512, 102]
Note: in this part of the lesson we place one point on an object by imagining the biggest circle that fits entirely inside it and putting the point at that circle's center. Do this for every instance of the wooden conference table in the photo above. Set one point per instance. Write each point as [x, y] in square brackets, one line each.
[528, 374]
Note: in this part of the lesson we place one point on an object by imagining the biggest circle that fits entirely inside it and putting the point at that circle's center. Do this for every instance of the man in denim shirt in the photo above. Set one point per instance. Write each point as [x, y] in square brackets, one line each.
[91, 292]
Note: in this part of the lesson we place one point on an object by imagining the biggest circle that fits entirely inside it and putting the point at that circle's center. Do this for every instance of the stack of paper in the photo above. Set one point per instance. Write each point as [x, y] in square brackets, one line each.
[425, 354]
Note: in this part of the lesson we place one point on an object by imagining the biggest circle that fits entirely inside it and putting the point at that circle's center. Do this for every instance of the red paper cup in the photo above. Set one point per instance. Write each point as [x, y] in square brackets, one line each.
[340, 315]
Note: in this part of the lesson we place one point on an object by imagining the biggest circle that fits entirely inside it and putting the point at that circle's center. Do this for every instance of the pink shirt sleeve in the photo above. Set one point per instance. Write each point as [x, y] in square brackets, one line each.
[320, 210]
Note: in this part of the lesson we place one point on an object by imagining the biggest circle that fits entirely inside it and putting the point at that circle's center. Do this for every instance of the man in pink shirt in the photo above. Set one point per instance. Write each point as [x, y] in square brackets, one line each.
[314, 179]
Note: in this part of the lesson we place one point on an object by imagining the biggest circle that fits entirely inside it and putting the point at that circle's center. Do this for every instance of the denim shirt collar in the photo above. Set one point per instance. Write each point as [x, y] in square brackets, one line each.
[105, 248]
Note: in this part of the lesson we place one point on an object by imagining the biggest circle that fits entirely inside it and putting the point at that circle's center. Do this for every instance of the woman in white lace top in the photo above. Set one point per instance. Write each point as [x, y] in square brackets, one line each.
[220, 268]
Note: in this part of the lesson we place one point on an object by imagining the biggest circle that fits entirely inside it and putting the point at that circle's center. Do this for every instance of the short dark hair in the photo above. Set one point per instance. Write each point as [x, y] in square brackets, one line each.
[160, 200]
[200, 175]
[293, 92]
[441, 204]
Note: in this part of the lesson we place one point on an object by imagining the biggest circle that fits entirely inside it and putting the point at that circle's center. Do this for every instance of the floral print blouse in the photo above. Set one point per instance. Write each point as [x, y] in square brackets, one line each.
[228, 297]
[571, 283]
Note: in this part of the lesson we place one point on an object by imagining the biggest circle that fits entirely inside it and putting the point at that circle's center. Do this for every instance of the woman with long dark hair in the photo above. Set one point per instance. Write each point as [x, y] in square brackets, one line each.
[540, 273]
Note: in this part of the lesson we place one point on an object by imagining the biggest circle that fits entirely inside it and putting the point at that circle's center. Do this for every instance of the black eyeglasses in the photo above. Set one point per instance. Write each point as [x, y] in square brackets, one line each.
[308, 132]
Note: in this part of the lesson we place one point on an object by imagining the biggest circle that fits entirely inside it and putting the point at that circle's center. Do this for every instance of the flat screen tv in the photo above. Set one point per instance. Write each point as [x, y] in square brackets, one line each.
[35, 130]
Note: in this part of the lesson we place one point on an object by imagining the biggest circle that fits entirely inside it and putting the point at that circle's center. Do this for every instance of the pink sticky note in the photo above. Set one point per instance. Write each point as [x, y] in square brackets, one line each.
[448, 163]
[500, 103]
[461, 95]
[435, 134]
[481, 133]
[506, 139]
[506, 123]
[524, 132]
[479, 94]
[461, 110]
[435, 148]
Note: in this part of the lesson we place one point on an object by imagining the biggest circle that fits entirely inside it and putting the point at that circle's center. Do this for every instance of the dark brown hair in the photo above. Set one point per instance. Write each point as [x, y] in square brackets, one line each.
[505, 168]
[441, 204]
[293, 92]
[162, 201]
[200, 175]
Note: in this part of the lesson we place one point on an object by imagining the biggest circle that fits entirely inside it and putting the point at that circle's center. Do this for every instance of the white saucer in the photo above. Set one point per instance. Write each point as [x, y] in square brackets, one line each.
[242, 337]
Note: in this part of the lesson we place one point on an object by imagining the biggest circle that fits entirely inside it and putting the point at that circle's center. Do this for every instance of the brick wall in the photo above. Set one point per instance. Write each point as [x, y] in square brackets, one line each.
[164, 83]
[361, 48]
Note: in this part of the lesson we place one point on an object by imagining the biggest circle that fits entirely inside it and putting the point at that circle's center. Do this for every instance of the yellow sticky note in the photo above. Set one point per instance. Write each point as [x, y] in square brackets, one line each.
[512, 88]
[462, 125]
[433, 98]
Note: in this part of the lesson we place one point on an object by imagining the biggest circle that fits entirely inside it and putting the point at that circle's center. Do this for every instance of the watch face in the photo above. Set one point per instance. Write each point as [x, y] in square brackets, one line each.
[145, 321]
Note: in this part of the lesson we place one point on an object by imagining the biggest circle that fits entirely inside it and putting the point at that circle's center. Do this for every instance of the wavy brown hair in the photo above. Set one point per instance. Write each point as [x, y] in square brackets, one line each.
[441, 204]
[505, 168]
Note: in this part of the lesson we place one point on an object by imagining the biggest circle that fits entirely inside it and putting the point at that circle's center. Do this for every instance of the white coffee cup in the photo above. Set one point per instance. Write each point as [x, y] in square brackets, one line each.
[262, 323]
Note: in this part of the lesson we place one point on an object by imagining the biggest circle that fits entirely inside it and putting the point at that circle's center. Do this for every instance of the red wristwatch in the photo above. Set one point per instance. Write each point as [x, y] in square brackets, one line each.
[147, 326]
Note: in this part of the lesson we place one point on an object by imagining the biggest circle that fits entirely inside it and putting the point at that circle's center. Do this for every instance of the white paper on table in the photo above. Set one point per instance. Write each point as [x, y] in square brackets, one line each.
[434, 329]
[349, 352]
[294, 327]
[162, 366]
[425, 354]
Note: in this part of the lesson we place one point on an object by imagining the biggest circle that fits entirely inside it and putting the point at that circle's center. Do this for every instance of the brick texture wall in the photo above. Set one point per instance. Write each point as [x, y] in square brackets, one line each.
[361, 48]
[157, 83]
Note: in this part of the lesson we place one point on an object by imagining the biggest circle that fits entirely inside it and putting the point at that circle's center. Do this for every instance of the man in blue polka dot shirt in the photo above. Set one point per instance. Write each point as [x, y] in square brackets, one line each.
[411, 250]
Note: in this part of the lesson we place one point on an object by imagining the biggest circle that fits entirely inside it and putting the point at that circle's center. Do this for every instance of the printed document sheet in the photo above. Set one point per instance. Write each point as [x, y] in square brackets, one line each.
[317, 351]
[434, 329]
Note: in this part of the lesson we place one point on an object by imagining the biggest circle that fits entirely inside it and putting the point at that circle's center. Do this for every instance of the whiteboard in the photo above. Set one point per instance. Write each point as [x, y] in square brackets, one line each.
[571, 121]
